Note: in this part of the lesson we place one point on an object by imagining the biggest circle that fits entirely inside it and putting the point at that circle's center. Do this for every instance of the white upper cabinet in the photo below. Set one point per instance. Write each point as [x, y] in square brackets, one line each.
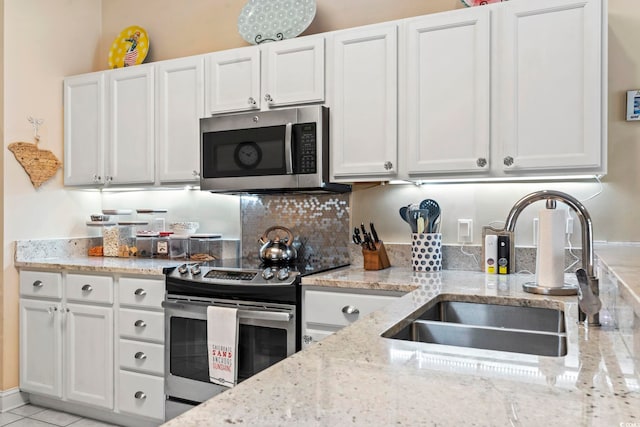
[179, 106]
[550, 102]
[84, 129]
[294, 72]
[131, 126]
[447, 91]
[276, 74]
[233, 80]
[364, 104]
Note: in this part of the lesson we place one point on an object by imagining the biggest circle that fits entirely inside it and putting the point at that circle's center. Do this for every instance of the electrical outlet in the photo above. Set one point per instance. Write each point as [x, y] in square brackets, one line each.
[465, 230]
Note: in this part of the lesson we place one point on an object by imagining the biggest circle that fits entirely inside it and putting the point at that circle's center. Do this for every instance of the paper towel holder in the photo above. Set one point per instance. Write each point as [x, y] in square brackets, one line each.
[564, 290]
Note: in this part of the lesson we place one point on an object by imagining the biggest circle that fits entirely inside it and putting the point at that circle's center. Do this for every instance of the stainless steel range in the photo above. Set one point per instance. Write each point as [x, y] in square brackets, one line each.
[268, 303]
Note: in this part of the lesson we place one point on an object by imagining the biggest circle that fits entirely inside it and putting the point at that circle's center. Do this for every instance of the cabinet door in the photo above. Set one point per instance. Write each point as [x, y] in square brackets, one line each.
[447, 91]
[365, 104]
[233, 80]
[89, 354]
[41, 347]
[180, 105]
[131, 133]
[550, 103]
[294, 72]
[84, 129]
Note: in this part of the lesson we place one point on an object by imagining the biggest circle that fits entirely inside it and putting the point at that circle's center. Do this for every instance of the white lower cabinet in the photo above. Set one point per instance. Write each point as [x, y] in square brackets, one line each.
[74, 350]
[66, 340]
[326, 310]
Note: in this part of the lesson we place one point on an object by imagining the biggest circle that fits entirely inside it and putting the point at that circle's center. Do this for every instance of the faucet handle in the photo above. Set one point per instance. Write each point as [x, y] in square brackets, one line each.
[589, 303]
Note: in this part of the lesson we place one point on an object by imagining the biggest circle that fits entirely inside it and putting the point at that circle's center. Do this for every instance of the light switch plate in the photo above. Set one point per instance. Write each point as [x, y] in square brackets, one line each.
[465, 230]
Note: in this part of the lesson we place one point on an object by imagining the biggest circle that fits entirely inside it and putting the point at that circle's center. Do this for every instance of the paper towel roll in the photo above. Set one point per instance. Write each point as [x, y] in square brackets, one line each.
[550, 255]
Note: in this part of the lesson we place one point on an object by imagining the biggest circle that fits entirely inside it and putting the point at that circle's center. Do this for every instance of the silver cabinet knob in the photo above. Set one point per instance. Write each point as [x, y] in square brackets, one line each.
[97, 178]
[349, 309]
[140, 324]
[388, 166]
[481, 162]
[251, 101]
[52, 310]
[508, 161]
[38, 284]
[140, 355]
[140, 395]
[87, 288]
[268, 98]
[108, 178]
[140, 292]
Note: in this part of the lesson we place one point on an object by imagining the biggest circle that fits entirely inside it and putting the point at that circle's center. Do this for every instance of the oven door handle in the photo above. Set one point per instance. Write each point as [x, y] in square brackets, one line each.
[288, 151]
[278, 316]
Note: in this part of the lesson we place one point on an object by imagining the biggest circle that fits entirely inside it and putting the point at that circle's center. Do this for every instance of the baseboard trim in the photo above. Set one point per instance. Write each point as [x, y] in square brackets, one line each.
[12, 398]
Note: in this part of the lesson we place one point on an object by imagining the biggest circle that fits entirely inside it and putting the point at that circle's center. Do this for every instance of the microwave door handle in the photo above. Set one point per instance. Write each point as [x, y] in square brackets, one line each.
[288, 152]
[265, 315]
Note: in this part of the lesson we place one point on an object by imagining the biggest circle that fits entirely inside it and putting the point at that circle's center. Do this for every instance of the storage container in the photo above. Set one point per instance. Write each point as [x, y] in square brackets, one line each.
[146, 244]
[204, 247]
[126, 240]
[178, 247]
[162, 245]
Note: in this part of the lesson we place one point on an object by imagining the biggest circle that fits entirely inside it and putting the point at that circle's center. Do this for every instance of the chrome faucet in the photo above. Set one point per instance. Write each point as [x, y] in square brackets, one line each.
[589, 288]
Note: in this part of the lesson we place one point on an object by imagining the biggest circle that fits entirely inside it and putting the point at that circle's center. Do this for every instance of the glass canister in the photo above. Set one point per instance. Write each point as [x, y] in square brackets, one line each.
[97, 242]
[162, 245]
[155, 217]
[178, 246]
[204, 247]
[126, 240]
[146, 244]
[110, 240]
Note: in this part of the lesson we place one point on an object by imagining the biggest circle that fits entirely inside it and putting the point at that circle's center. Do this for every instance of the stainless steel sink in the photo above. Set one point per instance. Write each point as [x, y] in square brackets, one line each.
[531, 330]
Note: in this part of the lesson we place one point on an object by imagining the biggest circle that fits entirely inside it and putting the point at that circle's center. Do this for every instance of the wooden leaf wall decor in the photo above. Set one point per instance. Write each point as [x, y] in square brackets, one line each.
[39, 164]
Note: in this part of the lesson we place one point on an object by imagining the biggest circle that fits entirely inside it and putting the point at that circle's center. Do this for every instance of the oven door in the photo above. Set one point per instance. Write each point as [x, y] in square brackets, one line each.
[266, 335]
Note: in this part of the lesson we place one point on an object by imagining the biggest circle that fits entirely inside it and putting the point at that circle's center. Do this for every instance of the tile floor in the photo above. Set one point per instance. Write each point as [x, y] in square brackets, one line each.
[35, 416]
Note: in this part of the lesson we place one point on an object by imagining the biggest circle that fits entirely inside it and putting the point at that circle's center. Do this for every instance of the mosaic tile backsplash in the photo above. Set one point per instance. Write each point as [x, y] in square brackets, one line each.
[320, 223]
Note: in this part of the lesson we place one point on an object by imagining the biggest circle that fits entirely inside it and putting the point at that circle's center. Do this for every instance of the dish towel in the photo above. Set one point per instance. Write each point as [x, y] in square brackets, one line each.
[222, 345]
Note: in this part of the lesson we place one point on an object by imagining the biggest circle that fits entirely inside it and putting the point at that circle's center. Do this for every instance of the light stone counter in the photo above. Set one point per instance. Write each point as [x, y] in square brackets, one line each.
[356, 377]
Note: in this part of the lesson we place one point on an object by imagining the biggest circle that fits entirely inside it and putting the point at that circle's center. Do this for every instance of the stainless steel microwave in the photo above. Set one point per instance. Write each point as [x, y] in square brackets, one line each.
[267, 152]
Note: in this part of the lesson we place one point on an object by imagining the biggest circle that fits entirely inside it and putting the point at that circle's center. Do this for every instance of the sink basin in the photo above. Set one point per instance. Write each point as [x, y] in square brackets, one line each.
[530, 330]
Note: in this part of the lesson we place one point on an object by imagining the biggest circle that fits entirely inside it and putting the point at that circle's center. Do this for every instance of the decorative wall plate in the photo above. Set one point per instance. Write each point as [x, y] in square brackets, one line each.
[479, 2]
[272, 20]
[129, 48]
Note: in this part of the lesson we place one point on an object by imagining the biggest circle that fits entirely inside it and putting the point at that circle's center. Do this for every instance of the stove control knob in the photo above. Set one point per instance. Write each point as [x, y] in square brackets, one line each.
[283, 274]
[195, 269]
[267, 273]
[182, 269]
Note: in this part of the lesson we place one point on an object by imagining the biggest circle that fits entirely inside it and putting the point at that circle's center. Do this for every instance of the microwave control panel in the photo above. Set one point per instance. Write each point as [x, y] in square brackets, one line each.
[305, 148]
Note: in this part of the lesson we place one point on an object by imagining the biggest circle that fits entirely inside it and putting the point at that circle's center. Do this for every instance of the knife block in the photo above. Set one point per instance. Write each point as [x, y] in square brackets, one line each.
[376, 259]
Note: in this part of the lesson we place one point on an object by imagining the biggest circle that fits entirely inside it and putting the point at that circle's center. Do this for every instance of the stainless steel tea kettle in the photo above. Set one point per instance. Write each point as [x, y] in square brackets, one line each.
[277, 250]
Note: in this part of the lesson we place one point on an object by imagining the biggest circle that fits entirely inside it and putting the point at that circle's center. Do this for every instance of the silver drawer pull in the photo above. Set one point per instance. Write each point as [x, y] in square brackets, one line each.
[38, 284]
[141, 292]
[140, 324]
[140, 355]
[349, 309]
[87, 288]
[140, 395]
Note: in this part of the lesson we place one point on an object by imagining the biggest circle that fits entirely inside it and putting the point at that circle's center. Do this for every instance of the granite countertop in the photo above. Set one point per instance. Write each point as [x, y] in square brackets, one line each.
[356, 377]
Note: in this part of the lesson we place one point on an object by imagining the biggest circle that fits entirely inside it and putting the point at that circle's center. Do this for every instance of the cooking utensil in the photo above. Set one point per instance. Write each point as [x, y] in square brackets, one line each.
[276, 250]
[412, 220]
[374, 233]
[403, 213]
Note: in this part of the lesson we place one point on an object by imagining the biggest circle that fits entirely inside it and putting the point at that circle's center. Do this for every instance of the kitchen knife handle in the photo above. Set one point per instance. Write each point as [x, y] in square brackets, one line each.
[374, 233]
[288, 152]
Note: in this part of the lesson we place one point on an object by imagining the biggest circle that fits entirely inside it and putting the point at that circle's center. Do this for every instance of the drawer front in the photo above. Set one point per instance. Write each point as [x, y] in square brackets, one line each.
[340, 308]
[148, 293]
[42, 284]
[140, 324]
[142, 356]
[141, 394]
[88, 288]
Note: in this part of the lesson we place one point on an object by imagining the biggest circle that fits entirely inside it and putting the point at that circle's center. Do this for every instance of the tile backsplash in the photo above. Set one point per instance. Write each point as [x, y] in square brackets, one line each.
[320, 222]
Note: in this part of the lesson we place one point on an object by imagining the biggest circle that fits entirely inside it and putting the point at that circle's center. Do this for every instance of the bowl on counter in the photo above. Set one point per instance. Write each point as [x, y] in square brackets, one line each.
[184, 227]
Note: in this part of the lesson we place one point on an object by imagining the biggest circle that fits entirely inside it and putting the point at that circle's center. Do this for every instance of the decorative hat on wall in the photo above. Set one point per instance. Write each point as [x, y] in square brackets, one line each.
[272, 20]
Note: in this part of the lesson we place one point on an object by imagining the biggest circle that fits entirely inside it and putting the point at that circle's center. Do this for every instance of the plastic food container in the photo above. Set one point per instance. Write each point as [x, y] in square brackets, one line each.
[126, 240]
[178, 246]
[162, 244]
[155, 218]
[110, 240]
[204, 247]
[184, 227]
[146, 244]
